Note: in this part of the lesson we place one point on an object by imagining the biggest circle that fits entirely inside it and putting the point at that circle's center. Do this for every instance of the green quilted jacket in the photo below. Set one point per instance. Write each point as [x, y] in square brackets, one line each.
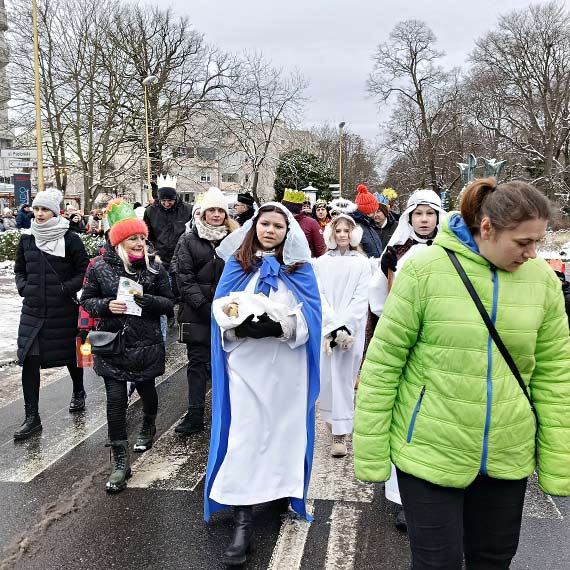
[436, 396]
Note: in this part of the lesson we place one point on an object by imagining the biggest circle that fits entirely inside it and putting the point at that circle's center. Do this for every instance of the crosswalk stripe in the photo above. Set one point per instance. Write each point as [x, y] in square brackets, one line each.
[341, 550]
[290, 545]
[36, 455]
[174, 463]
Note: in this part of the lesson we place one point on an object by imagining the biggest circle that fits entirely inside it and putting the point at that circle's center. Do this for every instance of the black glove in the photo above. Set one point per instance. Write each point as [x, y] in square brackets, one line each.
[263, 328]
[146, 302]
[389, 260]
[335, 332]
[82, 334]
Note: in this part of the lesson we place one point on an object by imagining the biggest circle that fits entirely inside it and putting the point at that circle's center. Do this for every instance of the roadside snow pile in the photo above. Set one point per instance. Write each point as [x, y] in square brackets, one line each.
[6, 268]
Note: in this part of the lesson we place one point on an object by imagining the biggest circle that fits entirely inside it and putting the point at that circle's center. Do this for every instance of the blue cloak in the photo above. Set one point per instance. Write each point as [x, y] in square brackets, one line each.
[303, 284]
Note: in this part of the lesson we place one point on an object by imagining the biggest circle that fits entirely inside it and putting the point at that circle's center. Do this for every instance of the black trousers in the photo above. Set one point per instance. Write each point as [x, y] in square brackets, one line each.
[31, 380]
[482, 521]
[198, 373]
[117, 403]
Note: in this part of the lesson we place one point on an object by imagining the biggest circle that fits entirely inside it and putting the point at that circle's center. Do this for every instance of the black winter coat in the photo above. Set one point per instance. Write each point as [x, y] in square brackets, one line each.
[566, 293]
[371, 242]
[48, 310]
[198, 270]
[144, 356]
[166, 226]
[388, 230]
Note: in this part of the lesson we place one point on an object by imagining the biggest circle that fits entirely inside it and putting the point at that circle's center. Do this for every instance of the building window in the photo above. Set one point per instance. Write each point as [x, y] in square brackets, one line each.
[205, 178]
[206, 153]
[230, 177]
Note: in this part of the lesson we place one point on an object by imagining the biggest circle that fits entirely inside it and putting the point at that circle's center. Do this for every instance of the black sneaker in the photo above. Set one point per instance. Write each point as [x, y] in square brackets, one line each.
[77, 403]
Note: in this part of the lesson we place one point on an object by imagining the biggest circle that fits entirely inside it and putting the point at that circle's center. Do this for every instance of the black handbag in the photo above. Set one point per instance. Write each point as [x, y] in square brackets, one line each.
[492, 330]
[107, 343]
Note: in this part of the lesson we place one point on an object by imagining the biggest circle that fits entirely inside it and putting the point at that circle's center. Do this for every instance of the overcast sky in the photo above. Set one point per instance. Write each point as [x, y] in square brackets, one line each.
[332, 42]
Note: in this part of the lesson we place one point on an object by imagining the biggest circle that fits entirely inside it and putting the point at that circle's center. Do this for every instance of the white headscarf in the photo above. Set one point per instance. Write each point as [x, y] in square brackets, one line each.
[405, 230]
[296, 249]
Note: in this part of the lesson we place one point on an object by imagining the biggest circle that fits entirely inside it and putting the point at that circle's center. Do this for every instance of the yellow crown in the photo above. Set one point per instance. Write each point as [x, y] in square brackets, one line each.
[293, 196]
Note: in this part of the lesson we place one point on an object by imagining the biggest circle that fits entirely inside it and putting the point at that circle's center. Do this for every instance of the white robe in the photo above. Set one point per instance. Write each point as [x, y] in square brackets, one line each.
[377, 295]
[268, 386]
[343, 282]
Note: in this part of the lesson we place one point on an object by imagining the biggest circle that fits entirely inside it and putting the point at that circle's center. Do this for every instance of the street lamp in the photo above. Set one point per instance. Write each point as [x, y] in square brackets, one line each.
[340, 128]
[148, 80]
[37, 95]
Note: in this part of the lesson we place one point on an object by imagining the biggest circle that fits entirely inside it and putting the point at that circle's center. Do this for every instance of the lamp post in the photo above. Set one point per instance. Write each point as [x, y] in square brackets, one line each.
[340, 128]
[37, 95]
[148, 80]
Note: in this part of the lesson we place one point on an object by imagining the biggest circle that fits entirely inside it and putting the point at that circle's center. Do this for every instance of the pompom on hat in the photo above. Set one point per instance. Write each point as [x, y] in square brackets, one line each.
[50, 199]
[293, 200]
[365, 201]
[123, 222]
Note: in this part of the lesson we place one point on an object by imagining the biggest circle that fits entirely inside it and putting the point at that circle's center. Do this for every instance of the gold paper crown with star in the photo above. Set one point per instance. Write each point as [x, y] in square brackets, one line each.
[293, 196]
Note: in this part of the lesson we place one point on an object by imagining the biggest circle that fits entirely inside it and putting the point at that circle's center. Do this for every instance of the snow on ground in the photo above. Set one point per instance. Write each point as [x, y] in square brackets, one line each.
[10, 305]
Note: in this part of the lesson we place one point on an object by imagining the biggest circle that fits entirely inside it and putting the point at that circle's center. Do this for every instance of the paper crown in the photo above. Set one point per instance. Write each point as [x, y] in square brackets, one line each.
[123, 221]
[293, 196]
[165, 181]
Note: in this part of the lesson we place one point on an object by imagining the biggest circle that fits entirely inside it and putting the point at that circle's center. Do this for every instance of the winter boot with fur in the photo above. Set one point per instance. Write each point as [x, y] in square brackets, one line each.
[32, 423]
[145, 438]
[236, 553]
[193, 422]
[121, 466]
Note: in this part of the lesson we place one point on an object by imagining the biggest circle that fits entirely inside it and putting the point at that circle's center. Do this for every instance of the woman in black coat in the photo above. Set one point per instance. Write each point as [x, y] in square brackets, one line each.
[198, 270]
[49, 269]
[143, 358]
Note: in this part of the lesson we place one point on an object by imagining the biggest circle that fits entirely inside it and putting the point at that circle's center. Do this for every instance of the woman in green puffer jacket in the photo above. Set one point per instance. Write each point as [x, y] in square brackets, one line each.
[437, 398]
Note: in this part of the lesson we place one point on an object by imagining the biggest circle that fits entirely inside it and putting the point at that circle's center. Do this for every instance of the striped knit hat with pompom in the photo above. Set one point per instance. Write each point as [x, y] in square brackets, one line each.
[123, 222]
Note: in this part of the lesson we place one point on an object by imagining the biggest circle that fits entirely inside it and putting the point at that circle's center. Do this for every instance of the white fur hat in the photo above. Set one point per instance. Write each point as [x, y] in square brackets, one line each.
[343, 206]
[50, 199]
[214, 198]
[355, 237]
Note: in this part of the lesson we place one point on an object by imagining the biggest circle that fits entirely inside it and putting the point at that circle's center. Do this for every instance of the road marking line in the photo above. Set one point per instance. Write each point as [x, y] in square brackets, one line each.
[174, 463]
[341, 550]
[538, 505]
[290, 545]
[38, 453]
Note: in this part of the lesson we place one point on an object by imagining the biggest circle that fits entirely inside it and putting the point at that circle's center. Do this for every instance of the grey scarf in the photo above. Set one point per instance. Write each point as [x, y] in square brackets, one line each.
[49, 236]
[211, 233]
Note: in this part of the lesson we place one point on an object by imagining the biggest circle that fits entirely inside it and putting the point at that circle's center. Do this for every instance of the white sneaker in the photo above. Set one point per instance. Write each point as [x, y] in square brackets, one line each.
[338, 448]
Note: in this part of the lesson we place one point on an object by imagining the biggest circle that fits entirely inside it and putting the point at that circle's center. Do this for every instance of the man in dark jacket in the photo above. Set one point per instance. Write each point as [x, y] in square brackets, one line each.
[24, 217]
[166, 219]
[293, 201]
[367, 206]
[244, 208]
[386, 223]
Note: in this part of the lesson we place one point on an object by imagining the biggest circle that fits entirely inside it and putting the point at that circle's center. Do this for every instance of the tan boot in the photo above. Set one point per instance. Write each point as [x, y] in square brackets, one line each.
[338, 448]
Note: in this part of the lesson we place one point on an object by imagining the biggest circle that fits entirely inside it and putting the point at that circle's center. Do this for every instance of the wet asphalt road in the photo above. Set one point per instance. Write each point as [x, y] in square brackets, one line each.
[57, 516]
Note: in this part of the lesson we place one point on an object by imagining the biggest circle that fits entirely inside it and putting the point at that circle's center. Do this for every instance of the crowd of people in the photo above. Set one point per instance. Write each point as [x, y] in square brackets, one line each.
[295, 306]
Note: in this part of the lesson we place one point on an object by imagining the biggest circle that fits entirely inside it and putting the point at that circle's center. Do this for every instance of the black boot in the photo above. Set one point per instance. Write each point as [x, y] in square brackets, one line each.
[77, 403]
[401, 523]
[193, 422]
[31, 424]
[236, 553]
[145, 438]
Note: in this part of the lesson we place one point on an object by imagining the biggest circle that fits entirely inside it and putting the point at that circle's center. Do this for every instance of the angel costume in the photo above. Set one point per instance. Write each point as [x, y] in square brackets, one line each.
[264, 390]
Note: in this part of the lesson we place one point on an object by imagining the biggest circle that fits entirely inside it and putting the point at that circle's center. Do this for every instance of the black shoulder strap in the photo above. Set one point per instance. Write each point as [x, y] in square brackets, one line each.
[492, 330]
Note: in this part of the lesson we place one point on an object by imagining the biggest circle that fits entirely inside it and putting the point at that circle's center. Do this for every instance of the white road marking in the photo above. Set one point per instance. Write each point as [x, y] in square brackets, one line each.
[40, 453]
[290, 545]
[538, 505]
[174, 463]
[341, 550]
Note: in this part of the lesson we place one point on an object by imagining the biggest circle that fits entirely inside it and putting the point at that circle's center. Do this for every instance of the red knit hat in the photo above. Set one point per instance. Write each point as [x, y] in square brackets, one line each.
[123, 222]
[365, 201]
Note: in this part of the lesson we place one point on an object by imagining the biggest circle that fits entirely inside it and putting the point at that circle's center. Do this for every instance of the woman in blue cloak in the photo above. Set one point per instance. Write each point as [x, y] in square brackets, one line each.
[265, 374]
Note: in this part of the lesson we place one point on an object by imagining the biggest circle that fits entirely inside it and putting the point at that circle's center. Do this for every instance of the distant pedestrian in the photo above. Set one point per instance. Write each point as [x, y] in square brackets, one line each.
[293, 201]
[9, 219]
[50, 265]
[464, 397]
[244, 208]
[198, 270]
[24, 217]
[321, 214]
[96, 225]
[265, 374]
[386, 223]
[343, 274]
[143, 358]
[367, 205]
[76, 223]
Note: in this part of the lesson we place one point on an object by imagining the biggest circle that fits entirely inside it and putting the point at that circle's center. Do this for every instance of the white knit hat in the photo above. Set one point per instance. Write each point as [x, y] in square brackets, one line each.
[214, 198]
[50, 199]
